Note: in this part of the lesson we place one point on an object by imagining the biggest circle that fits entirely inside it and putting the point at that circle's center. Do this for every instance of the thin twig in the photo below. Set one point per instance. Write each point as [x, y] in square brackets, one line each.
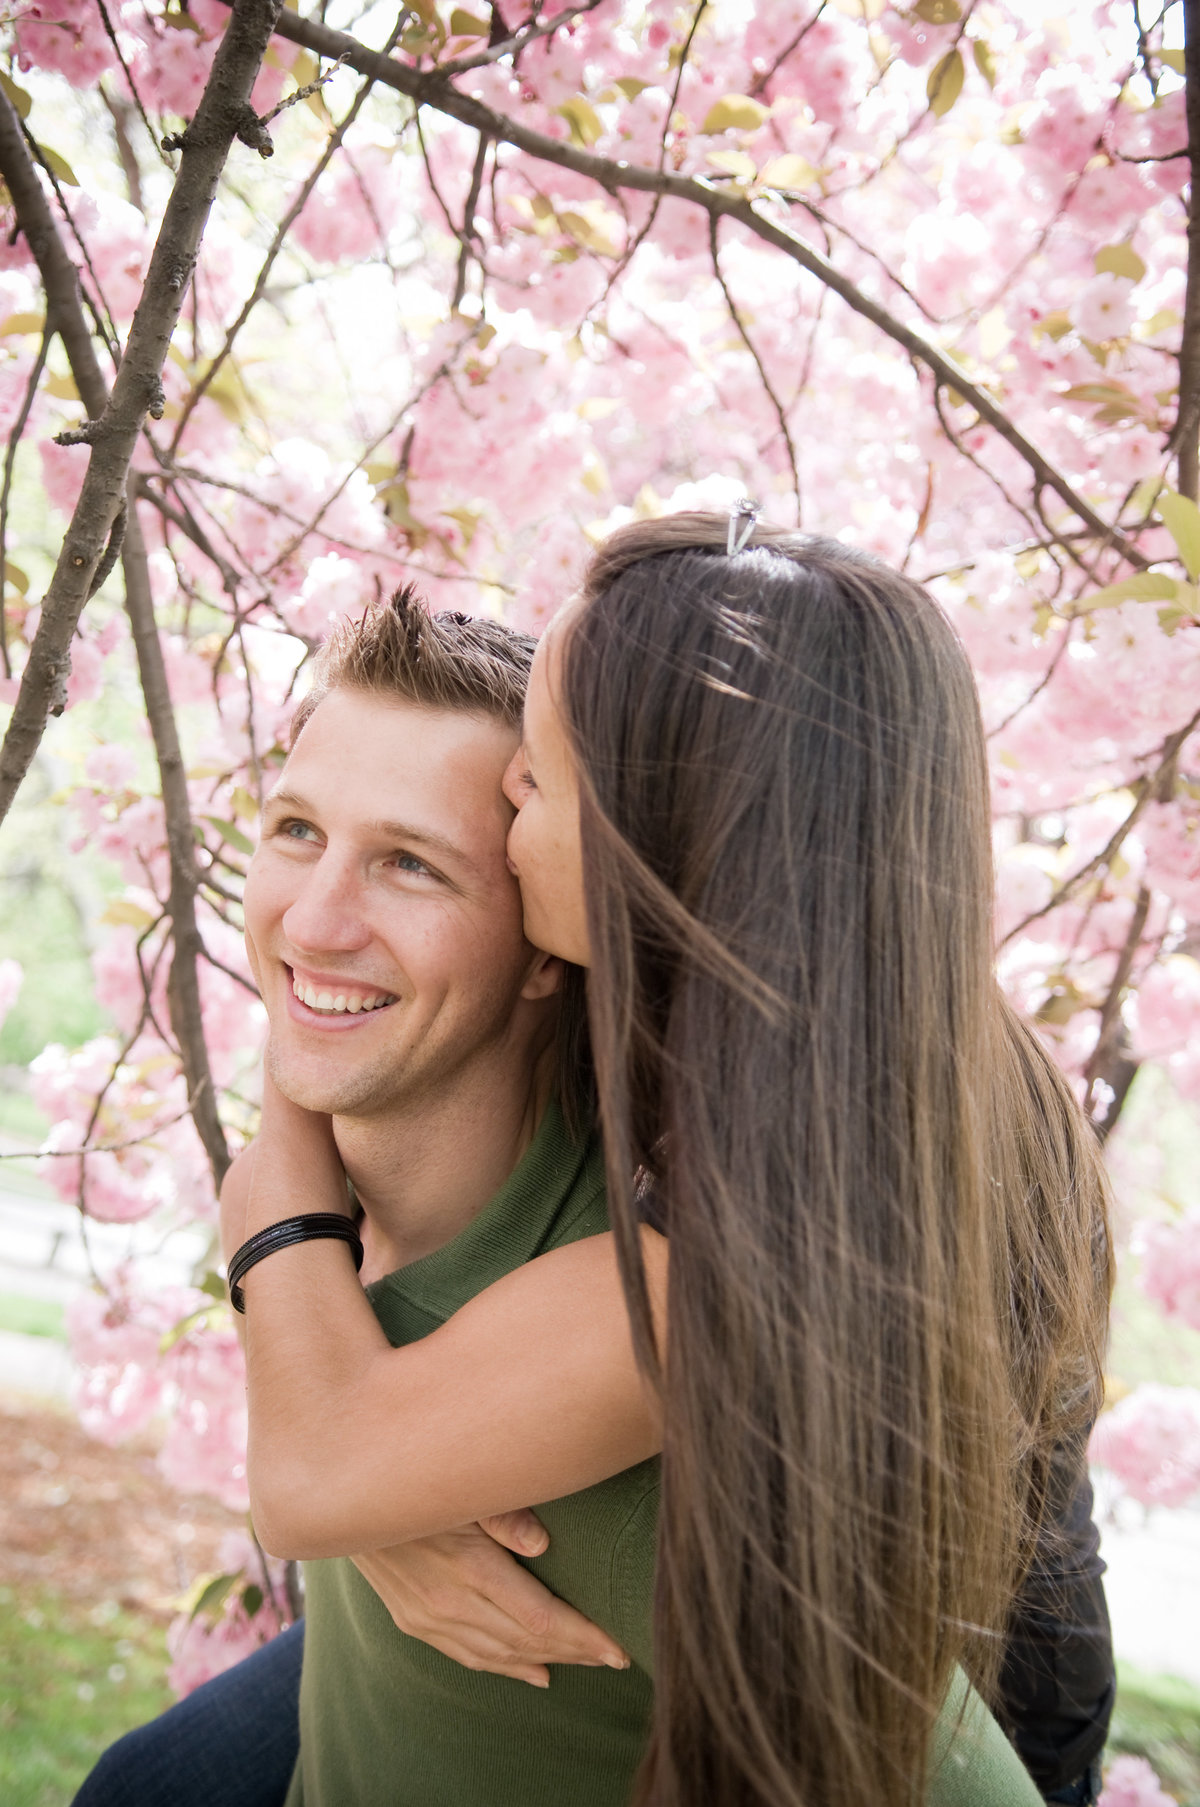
[10, 457]
[1110, 1010]
[131, 84]
[747, 341]
[75, 1154]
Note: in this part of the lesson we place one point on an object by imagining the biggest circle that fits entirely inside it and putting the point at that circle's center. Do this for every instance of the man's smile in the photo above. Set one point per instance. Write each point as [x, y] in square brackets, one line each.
[321, 997]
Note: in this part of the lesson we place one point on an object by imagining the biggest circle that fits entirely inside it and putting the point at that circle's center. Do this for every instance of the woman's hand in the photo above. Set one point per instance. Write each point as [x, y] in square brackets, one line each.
[463, 1594]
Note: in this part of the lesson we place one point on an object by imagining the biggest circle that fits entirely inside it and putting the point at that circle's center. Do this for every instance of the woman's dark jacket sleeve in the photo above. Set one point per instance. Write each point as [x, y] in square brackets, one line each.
[1058, 1681]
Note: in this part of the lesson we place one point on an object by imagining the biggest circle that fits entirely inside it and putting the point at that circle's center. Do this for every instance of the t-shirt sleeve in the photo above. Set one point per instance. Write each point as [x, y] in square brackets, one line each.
[972, 1763]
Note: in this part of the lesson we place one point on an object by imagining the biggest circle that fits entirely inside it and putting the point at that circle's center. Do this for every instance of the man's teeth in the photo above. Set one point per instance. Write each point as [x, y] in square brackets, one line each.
[340, 1003]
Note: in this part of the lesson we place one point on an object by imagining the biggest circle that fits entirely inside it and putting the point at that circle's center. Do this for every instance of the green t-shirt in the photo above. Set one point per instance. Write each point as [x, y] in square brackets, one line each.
[387, 1721]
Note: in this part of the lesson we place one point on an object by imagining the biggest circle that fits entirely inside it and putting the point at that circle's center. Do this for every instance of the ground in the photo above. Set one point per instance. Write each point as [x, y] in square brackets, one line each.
[95, 1553]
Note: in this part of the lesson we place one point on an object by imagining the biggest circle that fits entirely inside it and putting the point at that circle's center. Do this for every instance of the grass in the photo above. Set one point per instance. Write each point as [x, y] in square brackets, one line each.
[71, 1681]
[32, 1317]
[1158, 1717]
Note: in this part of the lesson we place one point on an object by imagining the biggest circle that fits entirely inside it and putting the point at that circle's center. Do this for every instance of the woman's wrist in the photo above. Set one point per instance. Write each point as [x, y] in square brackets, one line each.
[297, 1168]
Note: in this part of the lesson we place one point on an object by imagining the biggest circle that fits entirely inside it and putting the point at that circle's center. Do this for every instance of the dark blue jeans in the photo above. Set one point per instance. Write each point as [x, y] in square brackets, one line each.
[232, 1743]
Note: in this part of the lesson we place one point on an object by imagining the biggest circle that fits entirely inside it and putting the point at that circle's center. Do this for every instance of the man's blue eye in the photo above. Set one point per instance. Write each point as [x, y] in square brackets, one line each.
[408, 862]
[296, 830]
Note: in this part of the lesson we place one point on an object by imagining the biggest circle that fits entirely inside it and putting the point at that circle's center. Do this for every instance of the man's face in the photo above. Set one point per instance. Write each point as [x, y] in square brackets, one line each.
[380, 912]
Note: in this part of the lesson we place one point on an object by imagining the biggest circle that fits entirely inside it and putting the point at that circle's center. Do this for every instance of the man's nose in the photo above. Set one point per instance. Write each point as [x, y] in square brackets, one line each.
[327, 915]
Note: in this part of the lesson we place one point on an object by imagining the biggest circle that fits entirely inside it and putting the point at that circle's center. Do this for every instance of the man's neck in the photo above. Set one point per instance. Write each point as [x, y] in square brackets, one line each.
[423, 1171]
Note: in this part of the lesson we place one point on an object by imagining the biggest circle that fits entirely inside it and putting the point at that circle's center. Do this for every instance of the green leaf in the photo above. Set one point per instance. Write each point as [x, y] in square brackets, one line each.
[61, 387]
[180, 21]
[1173, 59]
[630, 86]
[14, 575]
[229, 832]
[1173, 617]
[122, 912]
[465, 25]
[304, 69]
[734, 163]
[788, 172]
[214, 1286]
[1062, 1004]
[23, 323]
[20, 100]
[583, 120]
[938, 12]
[245, 806]
[1181, 518]
[59, 167]
[587, 234]
[204, 1314]
[1119, 260]
[985, 62]
[1147, 586]
[212, 1596]
[945, 82]
[252, 1598]
[734, 113]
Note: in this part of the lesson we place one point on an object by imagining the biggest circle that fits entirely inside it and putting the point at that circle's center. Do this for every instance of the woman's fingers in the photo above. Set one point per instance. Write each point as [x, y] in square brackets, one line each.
[520, 1531]
[466, 1596]
[548, 1629]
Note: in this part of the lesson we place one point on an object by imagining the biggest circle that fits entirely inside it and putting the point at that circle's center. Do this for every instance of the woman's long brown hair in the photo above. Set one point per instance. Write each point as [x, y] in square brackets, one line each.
[889, 1257]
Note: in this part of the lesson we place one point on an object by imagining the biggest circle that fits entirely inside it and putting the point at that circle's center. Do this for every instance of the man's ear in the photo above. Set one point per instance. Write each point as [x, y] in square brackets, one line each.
[545, 976]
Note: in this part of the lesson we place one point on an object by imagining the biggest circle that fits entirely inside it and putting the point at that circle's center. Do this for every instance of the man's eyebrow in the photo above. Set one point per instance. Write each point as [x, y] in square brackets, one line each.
[424, 837]
[387, 831]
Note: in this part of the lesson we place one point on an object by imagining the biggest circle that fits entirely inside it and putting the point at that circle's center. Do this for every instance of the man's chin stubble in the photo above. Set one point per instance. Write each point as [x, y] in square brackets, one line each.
[335, 1095]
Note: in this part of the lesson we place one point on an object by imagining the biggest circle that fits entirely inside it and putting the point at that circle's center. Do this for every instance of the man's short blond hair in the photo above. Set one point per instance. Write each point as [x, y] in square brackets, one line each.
[445, 661]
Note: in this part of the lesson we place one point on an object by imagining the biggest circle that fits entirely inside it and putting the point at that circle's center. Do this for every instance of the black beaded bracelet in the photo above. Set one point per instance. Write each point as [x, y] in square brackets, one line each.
[283, 1236]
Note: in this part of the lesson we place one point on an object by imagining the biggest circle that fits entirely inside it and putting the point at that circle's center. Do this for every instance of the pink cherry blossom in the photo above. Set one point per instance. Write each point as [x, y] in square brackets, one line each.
[1150, 1441]
[1104, 309]
[1171, 1267]
[204, 1643]
[64, 35]
[1131, 1782]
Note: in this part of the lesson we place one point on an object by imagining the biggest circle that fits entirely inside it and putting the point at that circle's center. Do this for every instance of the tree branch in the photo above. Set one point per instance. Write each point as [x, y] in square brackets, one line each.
[10, 459]
[1108, 1059]
[431, 89]
[468, 225]
[219, 119]
[183, 986]
[1185, 435]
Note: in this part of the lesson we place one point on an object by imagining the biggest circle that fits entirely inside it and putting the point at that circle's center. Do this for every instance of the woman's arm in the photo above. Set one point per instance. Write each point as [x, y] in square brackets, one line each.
[528, 1393]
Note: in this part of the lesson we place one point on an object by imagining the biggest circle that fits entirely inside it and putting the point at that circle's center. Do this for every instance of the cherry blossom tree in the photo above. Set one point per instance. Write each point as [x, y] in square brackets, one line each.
[290, 314]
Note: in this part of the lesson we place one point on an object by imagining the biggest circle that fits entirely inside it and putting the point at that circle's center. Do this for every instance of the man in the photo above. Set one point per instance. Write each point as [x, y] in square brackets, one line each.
[405, 1004]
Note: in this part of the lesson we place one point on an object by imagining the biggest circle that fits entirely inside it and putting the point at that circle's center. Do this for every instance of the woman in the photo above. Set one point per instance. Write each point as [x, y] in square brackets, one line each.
[753, 804]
